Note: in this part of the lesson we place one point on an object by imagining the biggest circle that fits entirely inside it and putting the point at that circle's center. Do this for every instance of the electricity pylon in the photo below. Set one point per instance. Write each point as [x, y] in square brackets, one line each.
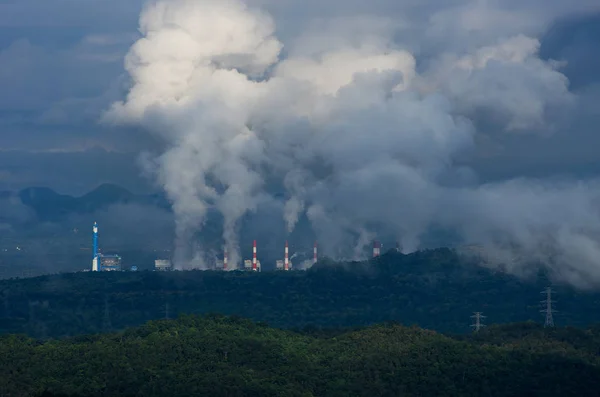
[478, 316]
[549, 322]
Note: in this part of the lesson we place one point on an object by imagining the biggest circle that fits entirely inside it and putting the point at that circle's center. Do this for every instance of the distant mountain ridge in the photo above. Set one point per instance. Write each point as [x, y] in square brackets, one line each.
[49, 205]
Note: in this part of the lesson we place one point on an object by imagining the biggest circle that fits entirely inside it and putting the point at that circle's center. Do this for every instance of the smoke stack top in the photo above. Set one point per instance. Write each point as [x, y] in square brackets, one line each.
[376, 249]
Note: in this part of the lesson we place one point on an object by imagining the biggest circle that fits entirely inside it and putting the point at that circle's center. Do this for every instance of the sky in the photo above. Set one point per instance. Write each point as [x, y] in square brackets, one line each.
[477, 116]
[62, 65]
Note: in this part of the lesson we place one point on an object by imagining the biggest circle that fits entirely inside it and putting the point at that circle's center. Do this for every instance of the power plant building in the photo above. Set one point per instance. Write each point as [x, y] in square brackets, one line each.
[247, 264]
[110, 263]
[254, 264]
[101, 262]
[280, 265]
[162, 265]
[95, 259]
[224, 263]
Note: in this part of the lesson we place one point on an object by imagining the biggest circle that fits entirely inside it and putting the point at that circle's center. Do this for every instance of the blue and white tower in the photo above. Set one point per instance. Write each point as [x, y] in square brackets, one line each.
[95, 258]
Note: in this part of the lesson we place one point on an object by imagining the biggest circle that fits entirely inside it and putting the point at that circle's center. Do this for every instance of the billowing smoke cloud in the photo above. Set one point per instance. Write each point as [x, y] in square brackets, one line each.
[361, 137]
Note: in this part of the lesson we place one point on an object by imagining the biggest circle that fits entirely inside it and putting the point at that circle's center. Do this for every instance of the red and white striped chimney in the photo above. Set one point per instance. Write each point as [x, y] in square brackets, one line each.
[315, 253]
[286, 260]
[254, 267]
[376, 249]
[225, 258]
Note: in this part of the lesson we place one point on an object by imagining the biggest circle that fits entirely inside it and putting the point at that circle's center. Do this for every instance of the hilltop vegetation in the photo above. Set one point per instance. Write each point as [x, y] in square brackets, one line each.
[432, 289]
[224, 356]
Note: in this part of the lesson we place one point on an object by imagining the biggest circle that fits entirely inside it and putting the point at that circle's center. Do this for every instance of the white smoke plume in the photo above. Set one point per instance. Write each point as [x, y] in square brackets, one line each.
[362, 138]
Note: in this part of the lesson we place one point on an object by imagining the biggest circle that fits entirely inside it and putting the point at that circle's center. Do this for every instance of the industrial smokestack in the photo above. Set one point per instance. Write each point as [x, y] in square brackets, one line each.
[225, 258]
[376, 249]
[254, 267]
[286, 261]
[95, 247]
[315, 253]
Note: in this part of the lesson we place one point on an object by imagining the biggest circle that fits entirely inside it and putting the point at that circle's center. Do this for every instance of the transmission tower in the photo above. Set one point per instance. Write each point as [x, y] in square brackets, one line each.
[548, 310]
[478, 316]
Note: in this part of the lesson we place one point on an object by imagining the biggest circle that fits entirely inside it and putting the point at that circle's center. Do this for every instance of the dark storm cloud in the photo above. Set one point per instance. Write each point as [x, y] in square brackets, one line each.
[61, 64]
[63, 59]
[570, 148]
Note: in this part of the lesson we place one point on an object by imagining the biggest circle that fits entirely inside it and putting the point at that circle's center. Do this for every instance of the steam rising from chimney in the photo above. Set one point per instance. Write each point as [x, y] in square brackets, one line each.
[360, 142]
[254, 263]
[286, 261]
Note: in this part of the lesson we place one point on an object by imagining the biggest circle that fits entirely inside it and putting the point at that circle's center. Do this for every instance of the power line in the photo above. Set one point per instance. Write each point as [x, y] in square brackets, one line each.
[549, 322]
[478, 316]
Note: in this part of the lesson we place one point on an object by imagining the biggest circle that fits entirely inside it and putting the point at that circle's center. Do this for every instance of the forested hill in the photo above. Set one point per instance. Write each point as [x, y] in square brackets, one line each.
[223, 356]
[432, 289]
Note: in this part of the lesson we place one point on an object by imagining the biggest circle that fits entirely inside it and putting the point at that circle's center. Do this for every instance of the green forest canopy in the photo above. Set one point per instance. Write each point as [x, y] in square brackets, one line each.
[434, 289]
[229, 356]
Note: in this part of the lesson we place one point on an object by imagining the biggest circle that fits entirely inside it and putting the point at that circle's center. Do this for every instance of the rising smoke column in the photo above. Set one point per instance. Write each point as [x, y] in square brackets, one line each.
[359, 140]
[191, 85]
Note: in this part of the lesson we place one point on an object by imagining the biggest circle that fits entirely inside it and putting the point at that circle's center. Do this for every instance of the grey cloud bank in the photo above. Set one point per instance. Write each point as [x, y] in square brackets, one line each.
[374, 118]
[371, 118]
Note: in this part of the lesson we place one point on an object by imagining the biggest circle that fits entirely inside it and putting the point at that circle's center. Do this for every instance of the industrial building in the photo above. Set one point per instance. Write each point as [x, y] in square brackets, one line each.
[253, 265]
[223, 264]
[102, 262]
[95, 258]
[286, 263]
[162, 265]
[110, 263]
[249, 265]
